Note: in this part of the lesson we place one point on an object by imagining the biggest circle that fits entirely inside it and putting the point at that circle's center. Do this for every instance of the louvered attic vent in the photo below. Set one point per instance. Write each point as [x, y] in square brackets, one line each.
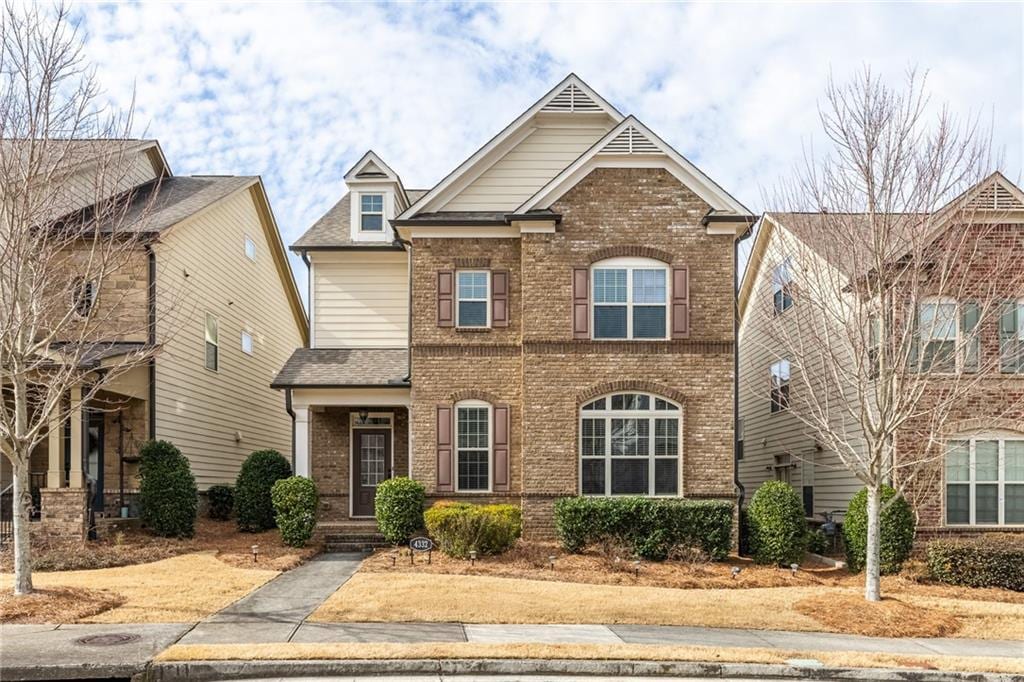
[572, 100]
[995, 198]
[630, 141]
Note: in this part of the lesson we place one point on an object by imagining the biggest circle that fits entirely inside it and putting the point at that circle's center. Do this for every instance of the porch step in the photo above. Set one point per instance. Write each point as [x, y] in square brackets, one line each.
[353, 538]
[352, 547]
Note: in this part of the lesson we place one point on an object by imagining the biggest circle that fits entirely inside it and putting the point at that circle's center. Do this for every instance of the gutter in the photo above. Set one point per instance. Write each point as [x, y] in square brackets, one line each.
[151, 305]
[740, 490]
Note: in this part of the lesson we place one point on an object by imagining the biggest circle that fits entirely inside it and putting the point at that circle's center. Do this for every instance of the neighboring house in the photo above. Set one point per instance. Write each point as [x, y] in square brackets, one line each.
[570, 294]
[978, 483]
[211, 288]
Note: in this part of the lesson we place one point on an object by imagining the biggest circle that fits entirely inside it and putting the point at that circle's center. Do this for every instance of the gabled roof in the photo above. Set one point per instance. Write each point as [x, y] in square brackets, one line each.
[162, 204]
[332, 230]
[371, 167]
[571, 95]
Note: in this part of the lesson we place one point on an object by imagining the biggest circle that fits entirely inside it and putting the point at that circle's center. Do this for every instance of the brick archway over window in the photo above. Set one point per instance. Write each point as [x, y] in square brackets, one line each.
[474, 394]
[628, 385]
[984, 424]
[632, 251]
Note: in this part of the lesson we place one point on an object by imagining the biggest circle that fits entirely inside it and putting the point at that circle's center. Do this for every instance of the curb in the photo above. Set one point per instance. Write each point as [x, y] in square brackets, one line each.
[71, 671]
[234, 670]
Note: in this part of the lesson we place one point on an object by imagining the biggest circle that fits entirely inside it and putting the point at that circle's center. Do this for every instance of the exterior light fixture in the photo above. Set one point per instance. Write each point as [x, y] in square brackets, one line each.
[636, 568]
[551, 562]
[363, 415]
[394, 558]
[255, 553]
[736, 572]
[794, 568]
[472, 557]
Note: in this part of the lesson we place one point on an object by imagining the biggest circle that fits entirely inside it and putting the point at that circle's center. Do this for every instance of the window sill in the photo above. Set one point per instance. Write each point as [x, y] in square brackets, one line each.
[474, 330]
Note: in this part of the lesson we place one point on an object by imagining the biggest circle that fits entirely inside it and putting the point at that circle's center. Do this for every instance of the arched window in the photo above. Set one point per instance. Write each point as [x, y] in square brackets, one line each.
[630, 298]
[985, 480]
[473, 446]
[629, 445]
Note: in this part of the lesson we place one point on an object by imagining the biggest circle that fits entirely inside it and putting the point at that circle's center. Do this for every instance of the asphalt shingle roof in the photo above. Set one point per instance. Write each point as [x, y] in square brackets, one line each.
[334, 367]
[177, 198]
[334, 227]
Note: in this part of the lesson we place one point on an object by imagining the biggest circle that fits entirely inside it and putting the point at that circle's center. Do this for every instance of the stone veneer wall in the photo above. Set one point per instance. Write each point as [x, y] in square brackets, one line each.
[63, 514]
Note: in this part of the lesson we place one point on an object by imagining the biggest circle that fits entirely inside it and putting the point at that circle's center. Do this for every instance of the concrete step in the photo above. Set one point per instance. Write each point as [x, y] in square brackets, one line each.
[368, 538]
[348, 547]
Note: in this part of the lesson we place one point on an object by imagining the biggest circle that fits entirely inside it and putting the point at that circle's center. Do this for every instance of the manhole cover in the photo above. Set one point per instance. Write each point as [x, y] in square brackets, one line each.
[112, 639]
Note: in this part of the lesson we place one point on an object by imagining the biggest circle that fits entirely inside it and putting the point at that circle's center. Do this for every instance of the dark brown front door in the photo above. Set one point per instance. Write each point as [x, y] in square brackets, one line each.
[371, 464]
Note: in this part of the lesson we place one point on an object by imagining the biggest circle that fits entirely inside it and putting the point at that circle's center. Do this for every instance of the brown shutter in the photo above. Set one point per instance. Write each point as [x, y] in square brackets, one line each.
[501, 431]
[499, 298]
[444, 449]
[681, 303]
[446, 298]
[580, 303]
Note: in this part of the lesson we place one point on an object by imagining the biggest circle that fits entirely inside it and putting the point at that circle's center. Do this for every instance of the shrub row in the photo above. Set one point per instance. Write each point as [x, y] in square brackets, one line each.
[460, 527]
[221, 500]
[653, 528]
[398, 506]
[989, 561]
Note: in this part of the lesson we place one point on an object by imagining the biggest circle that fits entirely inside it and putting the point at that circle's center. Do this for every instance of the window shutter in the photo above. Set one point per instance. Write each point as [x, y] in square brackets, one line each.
[914, 352]
[681, 302]
[581, 303]
[501, 433]
[446, 298]
[499, 298]
[1008, 325]
[444, 449]
[970, 336]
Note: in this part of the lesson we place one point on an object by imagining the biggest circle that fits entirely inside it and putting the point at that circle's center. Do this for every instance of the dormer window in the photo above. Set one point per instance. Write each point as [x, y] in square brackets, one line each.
[371, 212]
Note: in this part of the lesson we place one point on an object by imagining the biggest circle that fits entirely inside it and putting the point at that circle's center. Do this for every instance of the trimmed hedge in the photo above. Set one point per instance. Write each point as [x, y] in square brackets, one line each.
[778, 528]
[653, 528]
[989, 561]
[295, 501]
[896, 528]
[167, 490]
[398, 506]
[460, 527]
[221, 499]
[254, 509]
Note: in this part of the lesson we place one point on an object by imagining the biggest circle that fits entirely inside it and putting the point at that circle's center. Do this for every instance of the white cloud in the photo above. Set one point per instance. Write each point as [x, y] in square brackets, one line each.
[297, 92]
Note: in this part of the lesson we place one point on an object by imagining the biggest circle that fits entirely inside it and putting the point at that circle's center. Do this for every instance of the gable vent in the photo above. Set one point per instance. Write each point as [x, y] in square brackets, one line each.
[630, 141]
[995, 198]
[572, 99]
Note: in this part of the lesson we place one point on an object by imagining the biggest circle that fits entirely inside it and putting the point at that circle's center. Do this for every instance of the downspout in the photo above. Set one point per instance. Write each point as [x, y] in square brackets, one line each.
[740, 490]
[151, 295]
[291, 413]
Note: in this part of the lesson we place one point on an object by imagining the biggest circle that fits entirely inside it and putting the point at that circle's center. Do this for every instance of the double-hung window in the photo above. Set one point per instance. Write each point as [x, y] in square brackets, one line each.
[212, 334]
[1011, 337]
[630, 300]
[371, 212]
[985, 481]
[937, 325]
[629, 445]
[473, 294]
[779, 377]
[473, 446]
[782, 286]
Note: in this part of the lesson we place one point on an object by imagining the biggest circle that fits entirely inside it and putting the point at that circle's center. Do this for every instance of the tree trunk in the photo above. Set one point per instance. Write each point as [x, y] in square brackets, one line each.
[872, 568]
[21, 505]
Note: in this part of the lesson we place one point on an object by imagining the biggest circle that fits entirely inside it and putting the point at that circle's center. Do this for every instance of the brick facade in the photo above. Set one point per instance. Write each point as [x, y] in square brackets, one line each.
[63, 514]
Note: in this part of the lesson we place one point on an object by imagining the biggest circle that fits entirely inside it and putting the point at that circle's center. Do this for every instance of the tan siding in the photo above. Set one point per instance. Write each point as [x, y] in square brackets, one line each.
[199, 410]
[527, 167]
[111, 177]
[360, 299]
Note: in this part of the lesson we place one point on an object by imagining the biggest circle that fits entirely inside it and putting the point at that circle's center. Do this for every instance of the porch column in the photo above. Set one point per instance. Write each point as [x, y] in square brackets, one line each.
[302, 461]
[75, 478]
[55, 464]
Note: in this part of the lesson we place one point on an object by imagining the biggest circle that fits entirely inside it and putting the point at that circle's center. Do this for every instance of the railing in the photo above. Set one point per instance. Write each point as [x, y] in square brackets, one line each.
[37, 480]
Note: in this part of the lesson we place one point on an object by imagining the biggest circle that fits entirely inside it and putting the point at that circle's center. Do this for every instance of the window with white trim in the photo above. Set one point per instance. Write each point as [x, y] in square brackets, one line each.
[473, 446]
[247, 344]
[371, 212]
[949, 337]
[782, 286]
[250, 248]
[472, 293]
[779, 386]
[629, 299]
[212, 336]
[985, 481]
[629, 445]
[1011, 337]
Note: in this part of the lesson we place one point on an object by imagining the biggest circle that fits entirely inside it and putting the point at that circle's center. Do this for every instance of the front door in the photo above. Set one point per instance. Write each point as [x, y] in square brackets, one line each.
[371, 464]
[94, 458]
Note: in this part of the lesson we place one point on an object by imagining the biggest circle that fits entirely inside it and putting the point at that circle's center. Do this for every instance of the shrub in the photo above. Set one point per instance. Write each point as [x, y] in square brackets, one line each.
[817, 542]
[167, 490]
[778, 529]
[460, 527]
[653, 528]
[295, 501]
[254, 509]
[990, 561]
[398, 507]
[221, 499]
[896, 527]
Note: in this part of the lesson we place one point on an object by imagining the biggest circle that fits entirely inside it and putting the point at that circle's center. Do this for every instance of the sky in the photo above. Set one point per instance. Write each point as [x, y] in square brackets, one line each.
[297, 92]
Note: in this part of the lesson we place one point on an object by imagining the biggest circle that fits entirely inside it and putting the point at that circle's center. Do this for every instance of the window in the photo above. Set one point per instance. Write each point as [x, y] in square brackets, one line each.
[473, 446]
[250, 248]
[83, 295]
[211, 342]
[985, 481]
[782, 286]
[247, 343]
[1011, 338]
[630, 301]
[472, 292]
[780, 385]
[948, 337]
[629, 445]
[371, 212]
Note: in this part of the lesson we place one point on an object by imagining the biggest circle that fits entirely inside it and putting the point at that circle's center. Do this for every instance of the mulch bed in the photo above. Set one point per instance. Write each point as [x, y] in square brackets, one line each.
[62, 605]
[890, 617]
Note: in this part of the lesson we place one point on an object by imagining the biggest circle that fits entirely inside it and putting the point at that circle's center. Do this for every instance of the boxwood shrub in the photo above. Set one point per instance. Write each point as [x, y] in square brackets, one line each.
[254, 510]
[398, 506]
[995, 560]
[460, 527]
[652, 527]
[220, 501]
[295, 501]
[167, 490]
[896, 528]
[778, 528]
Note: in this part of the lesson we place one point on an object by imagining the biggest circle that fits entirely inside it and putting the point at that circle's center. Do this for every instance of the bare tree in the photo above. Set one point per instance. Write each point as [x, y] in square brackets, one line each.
[890, 276]
[69, 227]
